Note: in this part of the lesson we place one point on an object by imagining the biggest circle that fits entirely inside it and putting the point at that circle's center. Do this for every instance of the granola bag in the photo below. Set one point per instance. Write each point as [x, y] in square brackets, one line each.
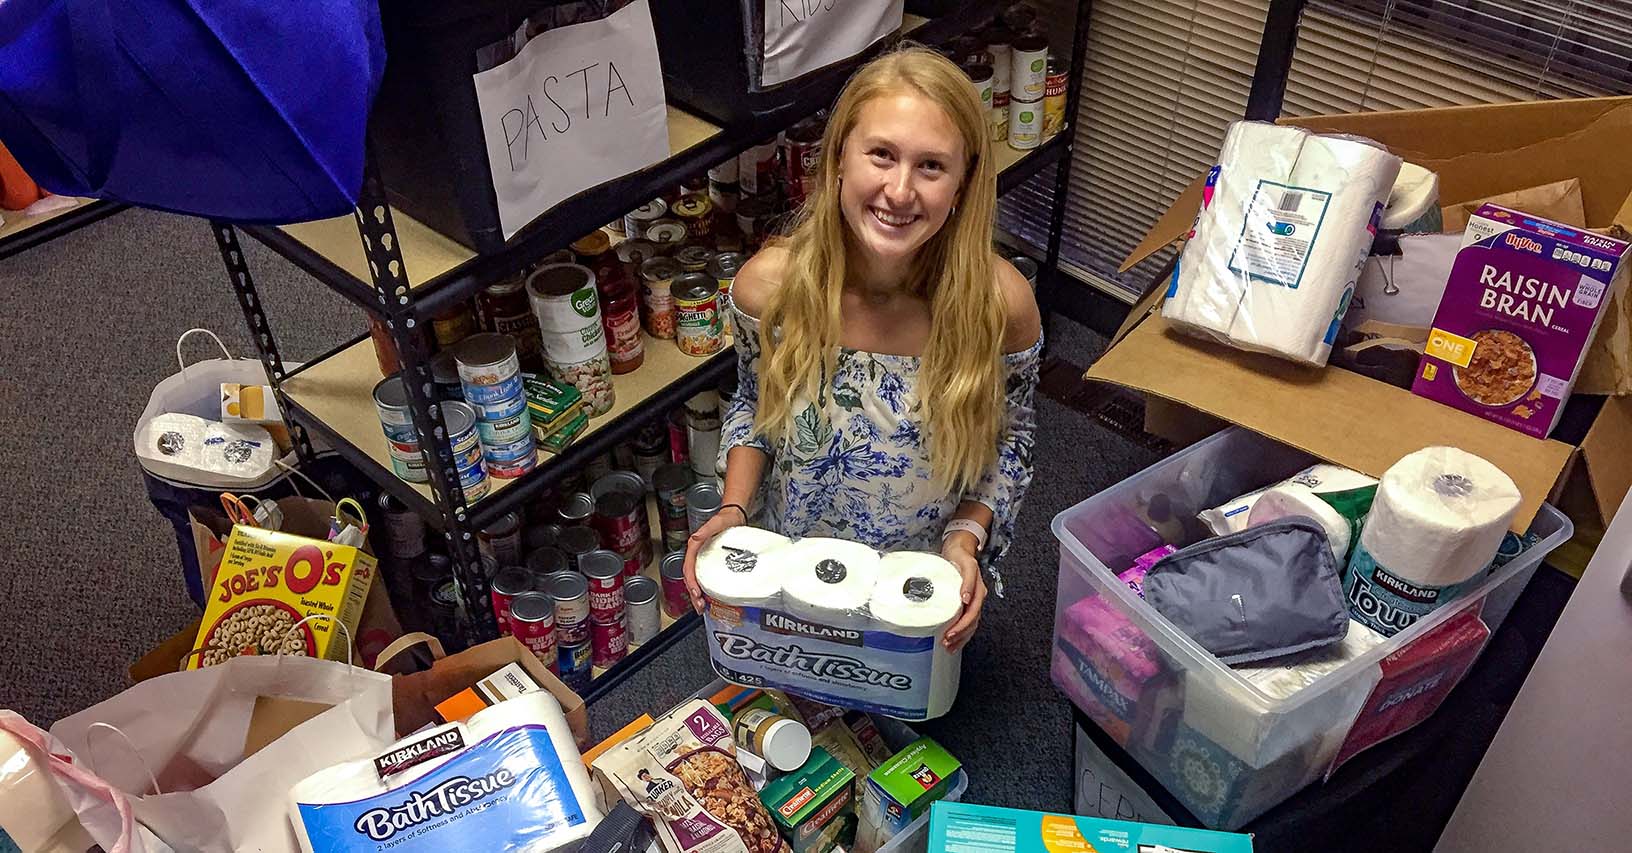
[682, 771]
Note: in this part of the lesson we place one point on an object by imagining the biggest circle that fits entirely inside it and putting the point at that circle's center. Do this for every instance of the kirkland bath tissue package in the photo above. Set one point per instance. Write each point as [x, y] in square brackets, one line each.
[1287, 220]
[832, 620]
[510, 778]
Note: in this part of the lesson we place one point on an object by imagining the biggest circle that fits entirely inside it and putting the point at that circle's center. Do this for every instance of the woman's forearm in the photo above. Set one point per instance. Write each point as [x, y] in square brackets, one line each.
[977, 512]
[744, 468]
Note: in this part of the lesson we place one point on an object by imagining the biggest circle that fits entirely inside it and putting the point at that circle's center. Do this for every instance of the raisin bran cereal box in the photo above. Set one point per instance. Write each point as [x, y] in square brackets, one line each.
[1524, 298]
[267, 583]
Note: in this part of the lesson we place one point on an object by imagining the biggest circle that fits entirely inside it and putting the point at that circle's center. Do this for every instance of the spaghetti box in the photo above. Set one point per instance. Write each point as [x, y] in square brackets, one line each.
[815, 806]
[966, 828]
[1523, 301]
[906, 786]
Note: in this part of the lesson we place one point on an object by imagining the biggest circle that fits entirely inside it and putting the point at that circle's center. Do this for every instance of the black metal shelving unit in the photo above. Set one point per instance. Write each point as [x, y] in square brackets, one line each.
[326, 399]
[26, 235]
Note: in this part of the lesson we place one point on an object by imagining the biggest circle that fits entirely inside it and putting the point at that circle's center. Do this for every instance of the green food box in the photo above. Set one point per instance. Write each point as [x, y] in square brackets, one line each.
[815, 806]
[560, 438]
[906, 786]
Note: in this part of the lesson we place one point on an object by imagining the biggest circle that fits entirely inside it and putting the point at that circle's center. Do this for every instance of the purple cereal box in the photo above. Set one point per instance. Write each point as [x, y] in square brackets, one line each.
[1522, 303]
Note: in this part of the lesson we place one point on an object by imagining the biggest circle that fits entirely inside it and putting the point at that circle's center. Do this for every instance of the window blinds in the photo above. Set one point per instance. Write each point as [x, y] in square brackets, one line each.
[1163, 79]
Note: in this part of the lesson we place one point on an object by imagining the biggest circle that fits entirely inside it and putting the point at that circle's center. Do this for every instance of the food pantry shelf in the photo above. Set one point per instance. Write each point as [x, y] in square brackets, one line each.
[334, 397]
[21, 232]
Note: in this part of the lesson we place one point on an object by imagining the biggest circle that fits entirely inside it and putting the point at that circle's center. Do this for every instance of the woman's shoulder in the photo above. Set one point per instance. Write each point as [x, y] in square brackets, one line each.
[1022, 323]
[758, 279]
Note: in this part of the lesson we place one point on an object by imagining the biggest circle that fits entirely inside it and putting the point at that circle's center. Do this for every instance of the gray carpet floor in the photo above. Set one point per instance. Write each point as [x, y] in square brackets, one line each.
[89, 577]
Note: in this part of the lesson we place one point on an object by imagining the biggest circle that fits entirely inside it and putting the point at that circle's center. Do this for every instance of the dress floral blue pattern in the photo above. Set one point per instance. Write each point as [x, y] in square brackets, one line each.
[856, 465]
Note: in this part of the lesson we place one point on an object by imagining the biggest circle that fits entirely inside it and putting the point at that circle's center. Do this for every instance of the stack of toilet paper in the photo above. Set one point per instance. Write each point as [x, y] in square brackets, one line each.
[833, 620]
[1287, 220]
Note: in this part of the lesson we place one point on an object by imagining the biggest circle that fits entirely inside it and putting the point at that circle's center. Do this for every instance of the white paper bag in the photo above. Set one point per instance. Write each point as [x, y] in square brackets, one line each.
[191, 731]
[804, 35]
[579, 106]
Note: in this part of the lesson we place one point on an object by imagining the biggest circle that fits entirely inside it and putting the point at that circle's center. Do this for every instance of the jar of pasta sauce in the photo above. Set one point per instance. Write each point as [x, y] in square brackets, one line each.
[620, 312]
[656, 276]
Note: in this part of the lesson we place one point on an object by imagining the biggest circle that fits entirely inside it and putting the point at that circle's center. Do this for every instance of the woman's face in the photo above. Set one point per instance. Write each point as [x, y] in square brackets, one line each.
[900, 170]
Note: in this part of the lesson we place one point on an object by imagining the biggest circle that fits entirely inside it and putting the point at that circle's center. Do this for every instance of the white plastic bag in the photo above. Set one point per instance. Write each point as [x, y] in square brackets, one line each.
[188, 733]
[195, 389]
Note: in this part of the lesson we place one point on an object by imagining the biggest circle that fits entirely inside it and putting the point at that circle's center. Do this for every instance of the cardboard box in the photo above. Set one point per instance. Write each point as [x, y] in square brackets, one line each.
[1352, 420]
[906, 786]
[815, 806]
[963, 826]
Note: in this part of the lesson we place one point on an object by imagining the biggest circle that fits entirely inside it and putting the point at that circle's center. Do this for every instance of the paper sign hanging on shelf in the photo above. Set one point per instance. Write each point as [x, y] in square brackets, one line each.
[804, 35]
[579, 106]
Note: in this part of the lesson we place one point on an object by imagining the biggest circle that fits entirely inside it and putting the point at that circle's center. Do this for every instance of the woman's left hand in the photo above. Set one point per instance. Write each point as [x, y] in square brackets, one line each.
[959, 549]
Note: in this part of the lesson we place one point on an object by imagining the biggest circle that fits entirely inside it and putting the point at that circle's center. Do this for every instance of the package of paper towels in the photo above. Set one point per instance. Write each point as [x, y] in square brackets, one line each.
[833, 620]
[509, 778]
[1438, 519]
[1287, 220]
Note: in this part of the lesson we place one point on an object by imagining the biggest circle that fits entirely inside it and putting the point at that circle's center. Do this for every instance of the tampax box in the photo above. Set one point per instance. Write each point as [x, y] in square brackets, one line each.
[1523, 301]
[966, 828]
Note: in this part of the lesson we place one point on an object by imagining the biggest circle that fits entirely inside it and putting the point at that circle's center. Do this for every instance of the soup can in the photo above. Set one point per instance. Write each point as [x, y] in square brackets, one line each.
[604, 572]
[657, 276]
[532, 621]
[641, 611]
[507, 584]
[576, 663]
[548, 561]
[1028, 69]
[574, 339]
[671, 482]
[570, 591]
[608, 640]
[697, 314]
[1054, 90]
[636, 221]
[575, 510]
[501, 540]
[673, 572]
[702, 501]
[693, 258]
[756, 170]
[696, 212]
[619, 525]
[1025, 124]
[626, 481]
[651, 448]
[577, 543]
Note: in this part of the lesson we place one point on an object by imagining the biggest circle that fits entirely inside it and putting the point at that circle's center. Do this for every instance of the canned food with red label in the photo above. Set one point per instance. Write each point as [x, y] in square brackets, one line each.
[630, 482]
[756, 170]
[507, 584]
[673, 572]
[619, 525]
[697, 314]
[532, 621]
[604, 572]
[657, 276]
[571, 594]
[621, 313]
[1054, 90]
[804, 156]
[677, 435]
[608, 640]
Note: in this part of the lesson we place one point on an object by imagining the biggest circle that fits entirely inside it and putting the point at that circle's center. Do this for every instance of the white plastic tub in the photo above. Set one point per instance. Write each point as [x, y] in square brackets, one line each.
[1222, 746]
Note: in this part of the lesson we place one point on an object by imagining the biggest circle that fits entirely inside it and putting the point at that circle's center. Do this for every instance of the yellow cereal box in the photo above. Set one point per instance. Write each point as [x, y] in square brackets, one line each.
[269, 581]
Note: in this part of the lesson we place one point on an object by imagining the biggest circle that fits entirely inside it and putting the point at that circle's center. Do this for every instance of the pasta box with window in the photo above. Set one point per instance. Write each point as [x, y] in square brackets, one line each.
[1523, 301]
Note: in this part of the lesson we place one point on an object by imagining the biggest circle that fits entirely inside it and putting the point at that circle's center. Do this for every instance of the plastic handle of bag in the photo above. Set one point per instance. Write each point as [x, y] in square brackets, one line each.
[350, 663]
[406, 642]
[181, 362]
[128, 742]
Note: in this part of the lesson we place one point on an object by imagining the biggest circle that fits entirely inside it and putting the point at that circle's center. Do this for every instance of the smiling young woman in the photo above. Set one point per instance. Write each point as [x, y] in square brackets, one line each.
[887, 357]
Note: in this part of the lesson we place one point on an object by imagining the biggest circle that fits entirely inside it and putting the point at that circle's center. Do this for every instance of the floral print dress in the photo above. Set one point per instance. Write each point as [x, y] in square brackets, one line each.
[857, 466]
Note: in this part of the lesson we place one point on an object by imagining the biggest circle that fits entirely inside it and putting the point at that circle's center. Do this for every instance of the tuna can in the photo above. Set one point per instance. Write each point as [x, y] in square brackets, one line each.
[460, 421]
[694, 258]
[391, 401]
[667, 235]
[651, 449]
[575, 663]
[677, 436]
[570, 591]
[604, 571]
[576, 509]
[695, 212]
[548, 561]
[676, 600]
[636, 221]
[512, 469]
[697, 314]
[506, 452]
[488, 369]
[532, 621]
[1028, 69]
[507, 584]
[640, 598]
[619, 526]
[608, 641]
[656, 278]
[406, 462]
[1025, 124]
[574, 339]
[445, 377]
[501, 540]
[671, 482]
[577, 543]
[702, 501]
[1054, 89]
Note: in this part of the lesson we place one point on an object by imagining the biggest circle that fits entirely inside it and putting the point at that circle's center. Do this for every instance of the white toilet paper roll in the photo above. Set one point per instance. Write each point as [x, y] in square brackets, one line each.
[918, 594]
[1415, 192]
[827, 580]
[732, 568]
[1290, 499]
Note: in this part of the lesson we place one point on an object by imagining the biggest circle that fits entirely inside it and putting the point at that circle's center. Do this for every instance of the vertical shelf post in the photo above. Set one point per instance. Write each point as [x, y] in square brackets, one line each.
[1048, 283]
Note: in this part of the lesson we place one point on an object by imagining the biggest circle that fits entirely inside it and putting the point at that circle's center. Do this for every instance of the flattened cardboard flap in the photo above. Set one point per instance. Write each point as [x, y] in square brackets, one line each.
[1361, 423]
[1607, 452]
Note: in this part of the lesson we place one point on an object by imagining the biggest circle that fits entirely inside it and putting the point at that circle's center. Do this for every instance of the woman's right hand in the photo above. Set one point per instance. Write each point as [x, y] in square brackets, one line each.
[728, 517]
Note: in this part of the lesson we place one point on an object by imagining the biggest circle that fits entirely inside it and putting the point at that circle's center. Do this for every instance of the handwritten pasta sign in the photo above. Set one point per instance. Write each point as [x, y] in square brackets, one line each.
[804, 35]
[578, 106]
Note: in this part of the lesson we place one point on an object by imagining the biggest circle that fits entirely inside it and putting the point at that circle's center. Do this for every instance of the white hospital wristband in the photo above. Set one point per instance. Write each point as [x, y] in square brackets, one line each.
[967, 526]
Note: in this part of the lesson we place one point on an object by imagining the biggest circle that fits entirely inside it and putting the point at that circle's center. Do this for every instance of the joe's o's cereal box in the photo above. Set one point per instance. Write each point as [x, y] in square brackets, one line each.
[269, 581]
[1522, 303]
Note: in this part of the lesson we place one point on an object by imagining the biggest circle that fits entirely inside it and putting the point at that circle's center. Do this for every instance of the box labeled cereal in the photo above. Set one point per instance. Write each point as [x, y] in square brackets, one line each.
[1524, 298]
[267, 583]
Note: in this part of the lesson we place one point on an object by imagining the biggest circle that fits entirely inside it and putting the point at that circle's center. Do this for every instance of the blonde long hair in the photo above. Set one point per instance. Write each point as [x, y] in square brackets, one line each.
[960, 383]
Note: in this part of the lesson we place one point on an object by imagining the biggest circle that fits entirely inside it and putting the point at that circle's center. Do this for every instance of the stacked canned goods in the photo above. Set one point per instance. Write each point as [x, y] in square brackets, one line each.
[532, 621]
[621, 520]
[574, 339]
[671, 482]
[459, 419]
[490, 374]
[608, 632]
[1028, 75]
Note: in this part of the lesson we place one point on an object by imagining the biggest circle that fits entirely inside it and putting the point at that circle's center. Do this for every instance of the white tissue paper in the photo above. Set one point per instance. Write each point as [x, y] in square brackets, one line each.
[1398, 294]
[828, 580]
[1347, 490]
[1289, 499]
[1438, 519]
[1287, 220]
[917, 594]
[510, 778]
[243, 451]
[732, 568]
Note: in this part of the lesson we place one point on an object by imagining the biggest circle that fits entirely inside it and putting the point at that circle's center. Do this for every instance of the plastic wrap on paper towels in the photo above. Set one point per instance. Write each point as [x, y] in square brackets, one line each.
[1287, 219]
[1349, 492]
[508, 779]
[832, 620]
